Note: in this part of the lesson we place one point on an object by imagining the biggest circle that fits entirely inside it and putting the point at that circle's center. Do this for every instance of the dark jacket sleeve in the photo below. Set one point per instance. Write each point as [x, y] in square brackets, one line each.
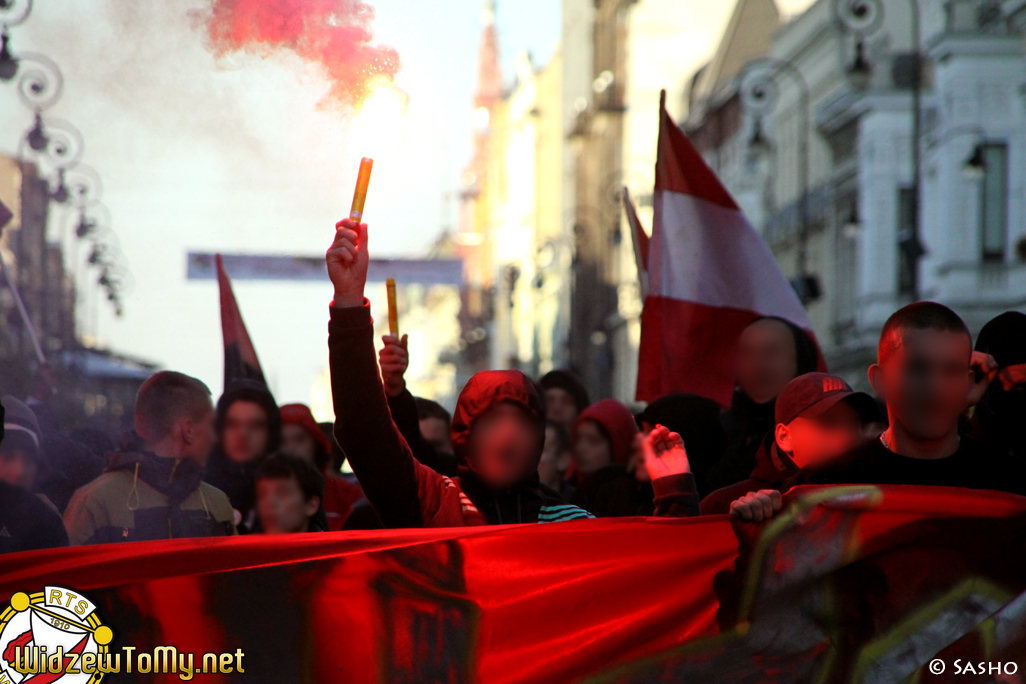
[404, 415]
[676, 496]
[392, 480]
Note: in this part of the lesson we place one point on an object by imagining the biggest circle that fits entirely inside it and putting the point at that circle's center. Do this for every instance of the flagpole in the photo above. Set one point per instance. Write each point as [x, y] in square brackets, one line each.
[21, 309]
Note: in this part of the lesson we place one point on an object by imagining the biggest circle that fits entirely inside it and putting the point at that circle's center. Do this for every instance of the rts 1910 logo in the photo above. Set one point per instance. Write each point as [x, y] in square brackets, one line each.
[52, 635]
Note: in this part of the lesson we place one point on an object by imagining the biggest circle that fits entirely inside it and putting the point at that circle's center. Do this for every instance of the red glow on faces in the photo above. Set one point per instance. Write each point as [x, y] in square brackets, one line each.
[334, 34]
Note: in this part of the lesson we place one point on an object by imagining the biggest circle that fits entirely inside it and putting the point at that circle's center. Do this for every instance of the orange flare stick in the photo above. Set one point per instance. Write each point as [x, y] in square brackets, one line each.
[360, 194]
[393, 311]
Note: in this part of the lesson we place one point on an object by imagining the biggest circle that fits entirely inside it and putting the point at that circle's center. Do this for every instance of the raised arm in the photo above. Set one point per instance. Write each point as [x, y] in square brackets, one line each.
[395, 484]
[394, 359]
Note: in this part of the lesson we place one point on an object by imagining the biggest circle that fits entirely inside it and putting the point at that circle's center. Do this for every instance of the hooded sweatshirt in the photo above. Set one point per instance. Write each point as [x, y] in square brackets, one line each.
[143, 496]
[998, 419]
[404, 492]
[613, 491]
[772, 468]
[236, 479]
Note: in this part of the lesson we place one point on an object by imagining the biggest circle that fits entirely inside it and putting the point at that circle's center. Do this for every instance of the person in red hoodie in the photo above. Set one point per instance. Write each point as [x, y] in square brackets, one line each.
[607, 457]
[301, 436]
[497, 432]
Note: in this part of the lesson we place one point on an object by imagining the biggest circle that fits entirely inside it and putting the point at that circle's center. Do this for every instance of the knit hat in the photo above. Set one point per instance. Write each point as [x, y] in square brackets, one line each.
[568, 382]
[300, 414]
[20, 423]
[618, 423]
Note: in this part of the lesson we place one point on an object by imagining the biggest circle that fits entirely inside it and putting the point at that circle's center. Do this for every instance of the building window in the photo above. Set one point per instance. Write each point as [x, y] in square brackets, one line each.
[994, 201]
[906, 229]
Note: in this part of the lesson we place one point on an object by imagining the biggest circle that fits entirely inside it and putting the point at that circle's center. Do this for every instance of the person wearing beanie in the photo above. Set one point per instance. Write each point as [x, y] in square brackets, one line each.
[301, 436]
[21, 455]
[248, 425]
[697, 420]
[26, 522]
[565, 397]
[999, 362]
[613, 479]
[771, 352]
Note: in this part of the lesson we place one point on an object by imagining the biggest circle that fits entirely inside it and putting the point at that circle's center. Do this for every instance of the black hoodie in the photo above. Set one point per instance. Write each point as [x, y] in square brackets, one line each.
[998, 419]
[236, 479]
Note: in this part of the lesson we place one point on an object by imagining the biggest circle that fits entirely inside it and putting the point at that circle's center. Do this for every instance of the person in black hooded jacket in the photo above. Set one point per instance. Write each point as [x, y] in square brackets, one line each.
[997, 420]
[497, 432]
[771, 352]
[248, 428]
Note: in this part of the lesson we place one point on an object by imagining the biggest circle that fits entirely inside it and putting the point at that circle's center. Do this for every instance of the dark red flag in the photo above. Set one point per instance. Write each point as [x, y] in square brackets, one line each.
[240, 359]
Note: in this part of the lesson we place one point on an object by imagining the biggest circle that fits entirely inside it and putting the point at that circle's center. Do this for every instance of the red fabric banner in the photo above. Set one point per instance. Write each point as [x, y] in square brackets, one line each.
[855, 583]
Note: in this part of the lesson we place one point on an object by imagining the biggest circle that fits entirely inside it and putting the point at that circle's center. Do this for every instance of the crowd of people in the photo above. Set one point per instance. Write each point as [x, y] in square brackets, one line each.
[518, 450]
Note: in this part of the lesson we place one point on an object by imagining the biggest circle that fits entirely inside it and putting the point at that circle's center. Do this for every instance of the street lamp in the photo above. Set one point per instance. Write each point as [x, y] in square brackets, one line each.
[862, 18]
[759, 95]
[975, 166]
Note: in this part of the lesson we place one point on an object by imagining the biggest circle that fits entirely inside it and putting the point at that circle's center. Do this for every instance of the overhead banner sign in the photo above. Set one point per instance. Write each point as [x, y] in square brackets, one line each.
[203, 266]
[846, 584]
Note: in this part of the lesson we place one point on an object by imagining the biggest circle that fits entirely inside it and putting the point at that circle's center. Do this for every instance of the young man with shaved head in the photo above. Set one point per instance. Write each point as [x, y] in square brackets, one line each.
[923, 374]
[157, 492]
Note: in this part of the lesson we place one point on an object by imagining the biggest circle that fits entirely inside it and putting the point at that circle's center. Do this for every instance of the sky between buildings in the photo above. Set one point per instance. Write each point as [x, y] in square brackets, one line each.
[236, 156]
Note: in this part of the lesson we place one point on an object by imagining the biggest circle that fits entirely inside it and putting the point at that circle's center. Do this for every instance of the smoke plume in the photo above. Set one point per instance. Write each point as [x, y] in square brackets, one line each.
[332, 34]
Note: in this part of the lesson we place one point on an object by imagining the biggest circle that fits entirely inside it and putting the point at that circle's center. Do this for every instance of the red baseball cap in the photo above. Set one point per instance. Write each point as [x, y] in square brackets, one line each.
[813, 394]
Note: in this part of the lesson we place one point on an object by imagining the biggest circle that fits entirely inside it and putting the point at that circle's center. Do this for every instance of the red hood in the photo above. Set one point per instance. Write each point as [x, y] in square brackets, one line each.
[618, 422]
[485, 390]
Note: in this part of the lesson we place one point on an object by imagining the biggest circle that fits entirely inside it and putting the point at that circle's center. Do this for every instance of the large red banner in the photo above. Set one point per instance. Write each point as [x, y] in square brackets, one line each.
[855, 583]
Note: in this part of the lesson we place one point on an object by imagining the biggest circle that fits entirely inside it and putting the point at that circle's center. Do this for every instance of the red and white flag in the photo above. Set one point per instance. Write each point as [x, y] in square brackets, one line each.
[710, 274]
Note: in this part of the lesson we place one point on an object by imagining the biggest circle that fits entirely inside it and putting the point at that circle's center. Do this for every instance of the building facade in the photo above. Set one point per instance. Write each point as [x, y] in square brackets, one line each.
[887, 164]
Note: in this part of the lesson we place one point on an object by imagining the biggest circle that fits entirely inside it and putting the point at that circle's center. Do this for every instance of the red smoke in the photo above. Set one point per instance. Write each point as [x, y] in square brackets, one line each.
[332, 33]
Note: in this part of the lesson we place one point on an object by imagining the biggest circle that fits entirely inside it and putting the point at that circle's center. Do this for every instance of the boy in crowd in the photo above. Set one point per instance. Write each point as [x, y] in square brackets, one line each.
[923, 374]
[289, 491]
[301, 436]
[819, 417]
[248, 430]
[565, 397]
[157, 493]
[26, 522]
[434, 424]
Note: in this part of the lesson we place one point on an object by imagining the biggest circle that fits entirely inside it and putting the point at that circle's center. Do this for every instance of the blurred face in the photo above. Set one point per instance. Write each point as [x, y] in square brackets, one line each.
[504, 446]
[591, 448]
[816, 440]
[245, 432]
[560, 407]
[281, 506]
[198, 435]
[298, 442]
[555, 458]
[925, 382]
[18, 467]
[766, 360]
[436, 432]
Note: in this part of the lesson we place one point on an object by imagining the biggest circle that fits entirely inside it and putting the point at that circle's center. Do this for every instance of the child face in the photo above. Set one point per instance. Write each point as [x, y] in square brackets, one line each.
[282, 507]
